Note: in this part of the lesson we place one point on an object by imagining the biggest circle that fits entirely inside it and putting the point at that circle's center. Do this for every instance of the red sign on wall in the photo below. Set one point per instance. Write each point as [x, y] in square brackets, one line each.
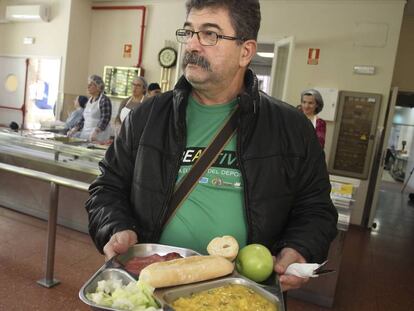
[127, 50]
[313, 56]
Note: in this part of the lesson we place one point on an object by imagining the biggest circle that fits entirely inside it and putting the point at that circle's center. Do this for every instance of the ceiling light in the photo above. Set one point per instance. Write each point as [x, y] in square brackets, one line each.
[266, 54]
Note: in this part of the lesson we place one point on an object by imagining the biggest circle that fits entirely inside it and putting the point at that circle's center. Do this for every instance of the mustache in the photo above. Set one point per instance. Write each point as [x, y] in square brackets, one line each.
[195, 59]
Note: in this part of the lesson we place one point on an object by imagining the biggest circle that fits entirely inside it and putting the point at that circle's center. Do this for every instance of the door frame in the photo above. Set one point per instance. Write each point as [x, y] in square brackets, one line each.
[281, 43]
[383, 133]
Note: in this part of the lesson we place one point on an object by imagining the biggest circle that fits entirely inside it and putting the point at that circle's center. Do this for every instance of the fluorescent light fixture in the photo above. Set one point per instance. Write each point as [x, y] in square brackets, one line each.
[266, 54]
[24, 16]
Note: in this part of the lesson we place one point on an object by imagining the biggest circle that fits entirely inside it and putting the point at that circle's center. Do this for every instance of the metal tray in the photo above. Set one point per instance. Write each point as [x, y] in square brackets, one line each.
[148, 249]
[114, 269]
[168, 296]
[103, 274]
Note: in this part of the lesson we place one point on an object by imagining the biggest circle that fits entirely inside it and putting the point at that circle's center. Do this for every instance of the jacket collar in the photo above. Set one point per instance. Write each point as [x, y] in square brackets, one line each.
[249, 96]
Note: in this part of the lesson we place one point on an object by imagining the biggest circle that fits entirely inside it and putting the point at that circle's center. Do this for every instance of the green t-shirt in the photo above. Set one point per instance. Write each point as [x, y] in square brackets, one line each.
[215, 206]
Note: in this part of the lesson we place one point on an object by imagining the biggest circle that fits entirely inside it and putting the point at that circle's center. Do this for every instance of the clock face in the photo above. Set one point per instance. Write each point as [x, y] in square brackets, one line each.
[167, 57]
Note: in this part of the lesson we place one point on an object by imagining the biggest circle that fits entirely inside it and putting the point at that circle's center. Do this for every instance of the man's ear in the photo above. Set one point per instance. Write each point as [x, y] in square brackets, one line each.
[249, 48]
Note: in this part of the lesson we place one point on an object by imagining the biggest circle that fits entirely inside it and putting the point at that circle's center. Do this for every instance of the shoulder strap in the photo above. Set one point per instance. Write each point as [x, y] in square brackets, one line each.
[206, 159]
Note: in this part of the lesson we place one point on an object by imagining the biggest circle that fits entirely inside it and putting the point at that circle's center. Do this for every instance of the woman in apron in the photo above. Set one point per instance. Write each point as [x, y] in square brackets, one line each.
[139, 88]
[94, 125]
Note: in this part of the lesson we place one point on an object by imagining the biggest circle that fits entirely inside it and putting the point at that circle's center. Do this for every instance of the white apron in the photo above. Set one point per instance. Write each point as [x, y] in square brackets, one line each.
[126, 110]
[124, 113]
[92, 116]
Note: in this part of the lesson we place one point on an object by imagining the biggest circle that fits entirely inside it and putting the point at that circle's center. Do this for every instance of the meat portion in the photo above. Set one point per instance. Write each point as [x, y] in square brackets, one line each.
[136, 264]
[171, 256]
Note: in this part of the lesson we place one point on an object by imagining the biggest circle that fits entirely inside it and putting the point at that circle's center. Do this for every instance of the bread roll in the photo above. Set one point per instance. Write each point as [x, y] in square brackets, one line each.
[185, 270]
[225, 246]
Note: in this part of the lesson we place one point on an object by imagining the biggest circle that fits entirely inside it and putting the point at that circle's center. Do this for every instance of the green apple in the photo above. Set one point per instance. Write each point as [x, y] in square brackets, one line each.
[255, 262]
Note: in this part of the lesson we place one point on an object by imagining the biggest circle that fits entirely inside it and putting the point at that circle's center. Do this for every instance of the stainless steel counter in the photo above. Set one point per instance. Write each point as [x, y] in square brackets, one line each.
[49, 153]
[53, 152]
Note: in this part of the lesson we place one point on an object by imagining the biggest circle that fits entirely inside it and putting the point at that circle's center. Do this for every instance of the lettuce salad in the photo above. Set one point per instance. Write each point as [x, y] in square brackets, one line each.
[136, 296]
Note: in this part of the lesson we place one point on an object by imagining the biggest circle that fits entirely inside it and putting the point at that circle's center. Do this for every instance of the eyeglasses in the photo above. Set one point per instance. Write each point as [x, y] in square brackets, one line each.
[205, 37]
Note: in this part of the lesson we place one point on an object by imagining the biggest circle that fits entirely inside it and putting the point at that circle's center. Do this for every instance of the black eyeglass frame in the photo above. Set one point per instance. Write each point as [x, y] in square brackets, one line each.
[183, 30]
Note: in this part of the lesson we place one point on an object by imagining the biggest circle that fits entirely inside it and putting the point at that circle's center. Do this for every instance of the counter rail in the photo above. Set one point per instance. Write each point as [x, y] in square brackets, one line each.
[55, 181]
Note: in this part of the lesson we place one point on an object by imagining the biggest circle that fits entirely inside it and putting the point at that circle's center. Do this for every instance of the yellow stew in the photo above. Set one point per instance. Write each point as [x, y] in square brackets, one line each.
[230, 297]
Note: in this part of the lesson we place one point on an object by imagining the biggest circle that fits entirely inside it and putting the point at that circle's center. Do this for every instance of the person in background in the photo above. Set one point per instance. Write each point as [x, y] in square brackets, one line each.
[139, 88]
[311, 104]
[269, 185]
[76, 115]
[14, 126]
[94, 124]
[154, 89]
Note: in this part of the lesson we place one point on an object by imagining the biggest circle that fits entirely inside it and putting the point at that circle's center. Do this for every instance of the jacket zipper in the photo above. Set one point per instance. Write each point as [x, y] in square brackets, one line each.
[181, 137]
[243, 173]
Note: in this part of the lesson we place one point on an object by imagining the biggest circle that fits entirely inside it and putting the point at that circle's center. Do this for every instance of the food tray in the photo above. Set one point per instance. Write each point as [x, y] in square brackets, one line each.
[168, 296]
[114, 269]
[68, 140]
[147, 249]
[104, 274]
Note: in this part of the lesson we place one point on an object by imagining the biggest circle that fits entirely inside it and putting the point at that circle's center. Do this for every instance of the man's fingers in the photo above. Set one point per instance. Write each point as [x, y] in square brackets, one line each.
[109, 251]
[119, 243]
[288, 282]
[285, 258]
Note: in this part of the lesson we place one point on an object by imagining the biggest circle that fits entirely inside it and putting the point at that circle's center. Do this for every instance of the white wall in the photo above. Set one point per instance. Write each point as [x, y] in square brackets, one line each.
[77, 56]
[162, 19]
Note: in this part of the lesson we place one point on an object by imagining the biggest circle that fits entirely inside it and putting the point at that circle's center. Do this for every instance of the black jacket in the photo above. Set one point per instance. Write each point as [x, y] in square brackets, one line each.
[286, 184]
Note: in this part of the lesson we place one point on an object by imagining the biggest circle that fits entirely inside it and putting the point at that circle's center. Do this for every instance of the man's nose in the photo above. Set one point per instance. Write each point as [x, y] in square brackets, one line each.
[193, 44]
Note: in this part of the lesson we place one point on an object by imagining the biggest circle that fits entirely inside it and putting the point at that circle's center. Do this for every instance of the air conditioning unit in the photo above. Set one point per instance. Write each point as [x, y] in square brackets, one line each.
[28, 13]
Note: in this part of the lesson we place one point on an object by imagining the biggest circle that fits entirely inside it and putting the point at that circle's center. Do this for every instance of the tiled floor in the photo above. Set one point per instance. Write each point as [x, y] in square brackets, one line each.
[376, 272]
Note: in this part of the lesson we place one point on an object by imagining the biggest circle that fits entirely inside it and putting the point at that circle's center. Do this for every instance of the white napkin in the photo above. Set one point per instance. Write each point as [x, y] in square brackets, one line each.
[303, 270]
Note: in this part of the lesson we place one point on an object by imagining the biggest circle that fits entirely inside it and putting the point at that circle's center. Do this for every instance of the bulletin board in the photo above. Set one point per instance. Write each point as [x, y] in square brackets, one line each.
[354, 134]
[118, 80]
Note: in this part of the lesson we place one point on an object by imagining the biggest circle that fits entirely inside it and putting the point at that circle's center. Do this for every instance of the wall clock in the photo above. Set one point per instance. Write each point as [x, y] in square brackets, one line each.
[167, 57]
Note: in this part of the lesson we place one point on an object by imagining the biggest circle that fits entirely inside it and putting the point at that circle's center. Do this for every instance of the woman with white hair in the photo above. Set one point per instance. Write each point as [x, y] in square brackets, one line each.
[139, 88]
[311, 104]
[94, 125]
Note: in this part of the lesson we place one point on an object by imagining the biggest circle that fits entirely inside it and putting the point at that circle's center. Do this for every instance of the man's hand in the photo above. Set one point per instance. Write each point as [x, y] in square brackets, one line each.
[286, 257]
[119, 243]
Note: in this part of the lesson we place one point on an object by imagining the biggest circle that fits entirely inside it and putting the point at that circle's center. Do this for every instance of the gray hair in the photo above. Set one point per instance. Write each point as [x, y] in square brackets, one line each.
[317, 96]
[97, 80]
[244, 14]
[142, 80]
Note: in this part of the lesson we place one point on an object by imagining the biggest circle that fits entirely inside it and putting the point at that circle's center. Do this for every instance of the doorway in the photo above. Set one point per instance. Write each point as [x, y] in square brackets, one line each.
[400, 145]
[392, 164]
[271, 64]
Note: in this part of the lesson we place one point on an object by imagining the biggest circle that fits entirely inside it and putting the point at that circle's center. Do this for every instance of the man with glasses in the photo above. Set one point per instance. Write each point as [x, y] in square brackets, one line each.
[269, 185]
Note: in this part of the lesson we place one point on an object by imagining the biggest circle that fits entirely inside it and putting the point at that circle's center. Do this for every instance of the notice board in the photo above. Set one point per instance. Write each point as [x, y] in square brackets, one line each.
[354, 134]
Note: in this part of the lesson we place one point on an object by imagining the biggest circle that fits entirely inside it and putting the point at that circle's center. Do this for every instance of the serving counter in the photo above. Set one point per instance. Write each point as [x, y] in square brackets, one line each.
[49, 153]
